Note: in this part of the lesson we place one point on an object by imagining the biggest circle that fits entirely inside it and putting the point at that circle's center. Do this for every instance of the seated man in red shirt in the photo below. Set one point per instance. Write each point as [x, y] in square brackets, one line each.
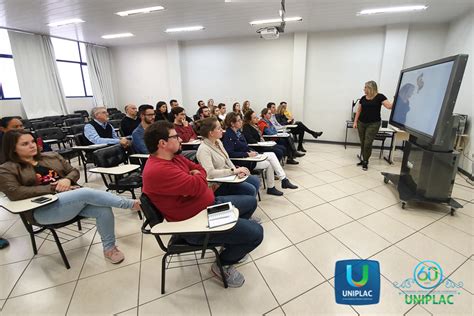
[183, 128]
[179, 189]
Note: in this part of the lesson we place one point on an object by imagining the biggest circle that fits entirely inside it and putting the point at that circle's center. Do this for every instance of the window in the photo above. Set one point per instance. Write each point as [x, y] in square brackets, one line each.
[72, 67]
[8, 82]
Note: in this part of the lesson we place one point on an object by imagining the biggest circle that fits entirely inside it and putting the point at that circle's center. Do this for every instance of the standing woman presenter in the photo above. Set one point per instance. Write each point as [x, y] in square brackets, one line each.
[368, 119]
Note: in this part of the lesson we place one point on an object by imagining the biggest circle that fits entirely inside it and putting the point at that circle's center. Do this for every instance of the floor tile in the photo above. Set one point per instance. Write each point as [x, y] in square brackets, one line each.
[395, 264]
[9, 274]
[449, 236]
[367, 181]
[288, 273]
[151, 248]
[353, 207]
[304, 199]
[460, 221]
[253, 298]
[413, 218]
[275, 312]
[425, 248]
[5, 225]
[273, 240]
[328, 216]
[360, 239]
[463, 306]
[106, 293]
[5, 215]
[328, 192]
[348, 171]
[328, 176]
[53, 301]
[467, 209]
[278, 207]
[20, 249]
[189, 301]
[323, 251]
[374, 199]
[176, 278]
[298, 227]
[418, 311]
[318, 301]
[49, 271]
[96, 263]
[129, 312]
[465, 274]
[308, 181]
[348, 186]
[387, 227]
[16, 230]
[49, 247]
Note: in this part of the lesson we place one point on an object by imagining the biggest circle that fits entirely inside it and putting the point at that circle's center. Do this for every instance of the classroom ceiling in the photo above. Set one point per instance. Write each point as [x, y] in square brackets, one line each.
[221, 18]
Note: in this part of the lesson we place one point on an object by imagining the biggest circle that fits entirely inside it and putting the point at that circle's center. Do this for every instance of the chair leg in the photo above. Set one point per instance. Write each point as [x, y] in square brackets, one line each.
[263, 180]
[60, 247]
[163, 272]
[259, 198]
[218, 261]
[29, 228]
[79, 225]
[33, 243]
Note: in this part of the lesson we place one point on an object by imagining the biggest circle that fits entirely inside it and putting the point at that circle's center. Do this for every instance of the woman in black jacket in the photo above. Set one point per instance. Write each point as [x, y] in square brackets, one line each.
[300, 128]
[253, 135]
[161, 112]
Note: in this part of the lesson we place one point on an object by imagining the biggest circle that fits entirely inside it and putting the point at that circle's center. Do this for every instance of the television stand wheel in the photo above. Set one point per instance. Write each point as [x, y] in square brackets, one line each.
[404, 204]
[385, 180]
[453, 210]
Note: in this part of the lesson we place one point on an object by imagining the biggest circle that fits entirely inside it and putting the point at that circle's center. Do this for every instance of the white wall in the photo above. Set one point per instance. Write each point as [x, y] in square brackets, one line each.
[425, 43]
[339, 63]
[141, 74]
[230, 70]
[14, 107]
[460, 40]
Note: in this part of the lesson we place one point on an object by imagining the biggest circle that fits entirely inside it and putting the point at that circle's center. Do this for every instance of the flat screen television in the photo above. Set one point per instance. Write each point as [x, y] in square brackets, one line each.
[425, 98]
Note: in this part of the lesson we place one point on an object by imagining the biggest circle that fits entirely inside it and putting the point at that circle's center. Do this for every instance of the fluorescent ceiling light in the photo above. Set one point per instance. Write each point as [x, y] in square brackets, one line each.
[408, 8]
[109, 36]
[140, 11]
[277, 20]
[65, 22]
[185, 29]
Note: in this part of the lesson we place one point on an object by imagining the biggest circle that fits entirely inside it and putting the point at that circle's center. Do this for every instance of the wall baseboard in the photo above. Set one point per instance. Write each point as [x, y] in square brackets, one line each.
[464, 172]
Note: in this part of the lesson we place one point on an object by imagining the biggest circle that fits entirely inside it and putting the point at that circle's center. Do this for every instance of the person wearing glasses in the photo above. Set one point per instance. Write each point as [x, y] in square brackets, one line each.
[183, 192]
[100, 131]
[147, 117]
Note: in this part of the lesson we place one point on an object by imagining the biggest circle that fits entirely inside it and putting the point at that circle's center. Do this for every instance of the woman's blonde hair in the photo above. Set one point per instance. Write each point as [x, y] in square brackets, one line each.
[372, 87]
[281, 108]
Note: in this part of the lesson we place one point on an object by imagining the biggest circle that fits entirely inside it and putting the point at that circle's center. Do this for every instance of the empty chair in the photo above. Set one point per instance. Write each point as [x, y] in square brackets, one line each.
[55, 135]
[77, 129]
[117, 116]
[41, 124]
[74, 121]
[83, 113]
[56, 119]
[112, 110]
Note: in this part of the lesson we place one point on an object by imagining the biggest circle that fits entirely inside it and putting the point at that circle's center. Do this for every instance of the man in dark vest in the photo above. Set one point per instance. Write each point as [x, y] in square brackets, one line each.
[100, 131]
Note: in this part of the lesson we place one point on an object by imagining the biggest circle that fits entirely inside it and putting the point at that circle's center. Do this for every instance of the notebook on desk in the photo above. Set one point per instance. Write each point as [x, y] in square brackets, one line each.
[220, 214]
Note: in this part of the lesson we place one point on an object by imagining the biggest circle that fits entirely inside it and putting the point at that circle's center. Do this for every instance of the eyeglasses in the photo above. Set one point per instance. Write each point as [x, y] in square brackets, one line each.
[153, 114]
[173, 136]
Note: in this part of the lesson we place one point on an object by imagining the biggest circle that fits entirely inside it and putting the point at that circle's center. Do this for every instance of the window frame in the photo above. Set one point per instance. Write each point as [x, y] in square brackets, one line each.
[81, 64]
[2, 96]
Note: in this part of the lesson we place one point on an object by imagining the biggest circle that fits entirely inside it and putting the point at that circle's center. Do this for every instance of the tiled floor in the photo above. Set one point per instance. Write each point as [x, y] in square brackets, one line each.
[339, 212]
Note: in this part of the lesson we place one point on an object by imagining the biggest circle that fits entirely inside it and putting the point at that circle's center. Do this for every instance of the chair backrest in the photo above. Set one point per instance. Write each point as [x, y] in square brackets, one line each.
[384, 124]
[74, 121]
[115, 123]
[117, 116]
[112, 110]
[77, 129]
[152, 213]
[110, 156]
[83, 113]
[26, 124]
[56, 119]
[50, 133]
[42, 124]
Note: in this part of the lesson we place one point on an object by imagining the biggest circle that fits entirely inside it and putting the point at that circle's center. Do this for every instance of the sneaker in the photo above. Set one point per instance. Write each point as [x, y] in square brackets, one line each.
[286, 184]
[274, 191]
[365, 166]
[255, 219]
[114, 255]
[316, 134]
[4, 243]
[291, 162]
[298, 154]
[245, 258]
[361, 163]
[233, 277]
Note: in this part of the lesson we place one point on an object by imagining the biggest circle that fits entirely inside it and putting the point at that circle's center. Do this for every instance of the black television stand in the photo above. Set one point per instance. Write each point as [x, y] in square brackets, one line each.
[426, 176]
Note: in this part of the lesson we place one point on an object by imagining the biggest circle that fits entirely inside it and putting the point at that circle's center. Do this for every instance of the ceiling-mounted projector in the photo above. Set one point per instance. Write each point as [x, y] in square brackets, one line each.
[269, 33]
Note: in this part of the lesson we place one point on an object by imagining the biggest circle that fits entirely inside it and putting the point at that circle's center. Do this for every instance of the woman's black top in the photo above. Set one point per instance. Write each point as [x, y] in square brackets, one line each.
[371, 108]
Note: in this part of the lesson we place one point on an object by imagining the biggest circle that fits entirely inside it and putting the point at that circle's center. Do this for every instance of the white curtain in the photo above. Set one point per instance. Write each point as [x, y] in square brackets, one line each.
[100, 73]
[38, 77]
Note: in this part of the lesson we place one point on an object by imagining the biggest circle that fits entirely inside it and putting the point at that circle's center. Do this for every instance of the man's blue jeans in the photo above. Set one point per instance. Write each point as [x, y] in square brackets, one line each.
[88, 203]
[243, 238]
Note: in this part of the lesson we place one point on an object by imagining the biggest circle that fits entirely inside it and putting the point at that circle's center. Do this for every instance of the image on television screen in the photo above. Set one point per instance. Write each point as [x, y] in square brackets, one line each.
[420, 97]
